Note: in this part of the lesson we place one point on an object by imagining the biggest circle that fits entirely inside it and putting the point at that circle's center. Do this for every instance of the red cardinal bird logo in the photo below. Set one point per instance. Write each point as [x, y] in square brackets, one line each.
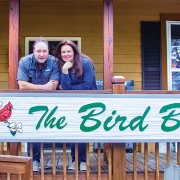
[5, 114]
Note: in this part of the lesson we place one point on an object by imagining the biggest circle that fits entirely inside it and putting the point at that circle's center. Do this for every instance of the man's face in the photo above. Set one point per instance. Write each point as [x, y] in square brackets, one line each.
[41, 52]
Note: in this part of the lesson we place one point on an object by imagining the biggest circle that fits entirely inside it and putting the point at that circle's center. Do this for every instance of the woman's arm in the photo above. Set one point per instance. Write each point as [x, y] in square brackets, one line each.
[87, 79]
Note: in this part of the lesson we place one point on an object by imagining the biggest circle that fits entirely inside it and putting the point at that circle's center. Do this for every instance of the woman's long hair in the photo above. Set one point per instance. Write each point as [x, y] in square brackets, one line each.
[77, 56]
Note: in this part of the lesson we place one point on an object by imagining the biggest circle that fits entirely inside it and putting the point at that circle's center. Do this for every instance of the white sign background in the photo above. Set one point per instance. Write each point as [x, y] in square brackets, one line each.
[69, 104]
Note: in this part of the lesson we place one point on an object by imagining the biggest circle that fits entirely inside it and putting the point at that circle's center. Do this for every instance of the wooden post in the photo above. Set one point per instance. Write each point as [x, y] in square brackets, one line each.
[13, 53]
[108, 44]
[119, 149]
[108, 50]
[16, 165]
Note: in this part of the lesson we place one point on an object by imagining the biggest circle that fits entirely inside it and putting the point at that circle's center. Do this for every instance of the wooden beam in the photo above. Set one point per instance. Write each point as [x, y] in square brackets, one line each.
[108, 44]
[13, 42]
[13, 53]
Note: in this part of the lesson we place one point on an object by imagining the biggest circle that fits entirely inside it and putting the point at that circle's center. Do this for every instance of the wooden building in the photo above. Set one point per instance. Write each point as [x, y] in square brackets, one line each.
[79, 18]
[136, 39]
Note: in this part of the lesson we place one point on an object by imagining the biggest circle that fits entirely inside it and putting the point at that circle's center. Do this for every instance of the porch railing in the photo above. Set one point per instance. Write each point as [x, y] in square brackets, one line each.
[59, 170]
[115, 153]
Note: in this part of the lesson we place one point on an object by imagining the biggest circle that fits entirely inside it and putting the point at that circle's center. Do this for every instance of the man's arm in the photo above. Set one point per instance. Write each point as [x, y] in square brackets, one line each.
[56, 85]
[51, 85]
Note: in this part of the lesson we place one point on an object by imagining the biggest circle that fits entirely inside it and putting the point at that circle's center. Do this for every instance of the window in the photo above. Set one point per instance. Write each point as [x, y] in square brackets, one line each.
[53, 42]
[173, 54]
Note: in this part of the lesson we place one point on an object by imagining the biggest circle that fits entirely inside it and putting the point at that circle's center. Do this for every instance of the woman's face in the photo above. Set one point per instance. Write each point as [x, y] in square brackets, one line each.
[67, 53]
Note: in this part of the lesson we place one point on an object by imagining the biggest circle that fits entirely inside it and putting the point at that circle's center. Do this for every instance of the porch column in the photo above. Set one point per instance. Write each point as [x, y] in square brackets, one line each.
[13, 53]
[108, 49]
[108, 44]
[13, 42]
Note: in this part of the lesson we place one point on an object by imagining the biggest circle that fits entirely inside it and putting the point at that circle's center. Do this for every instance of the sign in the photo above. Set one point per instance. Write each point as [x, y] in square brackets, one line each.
[72, 117]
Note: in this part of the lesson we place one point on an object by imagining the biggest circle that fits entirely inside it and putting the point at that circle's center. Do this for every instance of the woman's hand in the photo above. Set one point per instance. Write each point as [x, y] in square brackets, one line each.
[60, 88]
[67, 66]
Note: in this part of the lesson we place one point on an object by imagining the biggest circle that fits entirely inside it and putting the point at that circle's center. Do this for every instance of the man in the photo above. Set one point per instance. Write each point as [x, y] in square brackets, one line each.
[38, 71]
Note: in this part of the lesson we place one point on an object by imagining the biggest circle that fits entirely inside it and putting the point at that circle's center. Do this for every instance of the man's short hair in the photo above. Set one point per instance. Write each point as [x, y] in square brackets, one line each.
[41, 39]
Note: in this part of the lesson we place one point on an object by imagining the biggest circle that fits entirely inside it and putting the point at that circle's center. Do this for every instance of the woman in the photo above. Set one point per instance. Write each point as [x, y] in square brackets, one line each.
[77, 73]
[77, 69]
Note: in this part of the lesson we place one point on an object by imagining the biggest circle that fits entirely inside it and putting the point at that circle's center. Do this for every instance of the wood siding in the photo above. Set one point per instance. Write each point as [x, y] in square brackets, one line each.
[77, 18]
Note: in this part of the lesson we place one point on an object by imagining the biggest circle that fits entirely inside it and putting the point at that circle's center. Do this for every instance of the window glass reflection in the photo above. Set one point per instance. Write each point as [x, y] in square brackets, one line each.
[175, 80]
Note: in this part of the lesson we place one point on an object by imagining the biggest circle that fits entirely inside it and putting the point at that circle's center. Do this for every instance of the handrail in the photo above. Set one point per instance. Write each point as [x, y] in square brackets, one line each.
[58, 91]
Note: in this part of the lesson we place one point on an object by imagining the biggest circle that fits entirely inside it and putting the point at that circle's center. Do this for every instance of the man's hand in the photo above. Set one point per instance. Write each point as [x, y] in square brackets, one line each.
[50, 85]
[67, 66]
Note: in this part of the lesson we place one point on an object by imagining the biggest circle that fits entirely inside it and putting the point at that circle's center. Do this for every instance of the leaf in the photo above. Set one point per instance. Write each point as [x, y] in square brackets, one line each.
[13, 132]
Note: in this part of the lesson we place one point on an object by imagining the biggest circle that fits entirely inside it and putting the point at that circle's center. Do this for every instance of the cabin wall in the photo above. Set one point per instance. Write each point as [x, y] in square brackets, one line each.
[55, 18]
[4, 33]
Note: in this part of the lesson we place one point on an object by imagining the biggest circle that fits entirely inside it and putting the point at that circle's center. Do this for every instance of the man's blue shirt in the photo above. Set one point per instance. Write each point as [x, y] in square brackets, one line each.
[29, 71]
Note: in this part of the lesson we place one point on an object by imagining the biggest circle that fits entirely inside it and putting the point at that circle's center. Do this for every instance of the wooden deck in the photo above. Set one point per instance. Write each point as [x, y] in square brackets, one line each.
[49, 175]
[104, 164]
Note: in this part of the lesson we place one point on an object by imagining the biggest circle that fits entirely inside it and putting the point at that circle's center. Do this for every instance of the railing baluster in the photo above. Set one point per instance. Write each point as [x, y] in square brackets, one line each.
[19, 177]
[76, 161]
[99, 161]
[109, 161]
[8, 152]
[31, 151]
[19, 154]
[2, 148]
[42, 161]
[19, 149]
[31, 155]
[8, 147]
[87, 162]
[8, 176]
[146, 161]
[134, 162]
[54, 160]
[168, 153]
[64, 162]
[105, 148]
[157, 160]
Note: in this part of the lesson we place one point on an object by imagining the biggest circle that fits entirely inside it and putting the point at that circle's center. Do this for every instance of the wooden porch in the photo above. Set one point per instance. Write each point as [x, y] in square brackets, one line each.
[104, 164]
[103, 172]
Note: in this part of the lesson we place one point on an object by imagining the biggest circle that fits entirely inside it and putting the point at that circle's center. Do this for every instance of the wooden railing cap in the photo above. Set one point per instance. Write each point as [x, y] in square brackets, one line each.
[10, 158]
[118, 80]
